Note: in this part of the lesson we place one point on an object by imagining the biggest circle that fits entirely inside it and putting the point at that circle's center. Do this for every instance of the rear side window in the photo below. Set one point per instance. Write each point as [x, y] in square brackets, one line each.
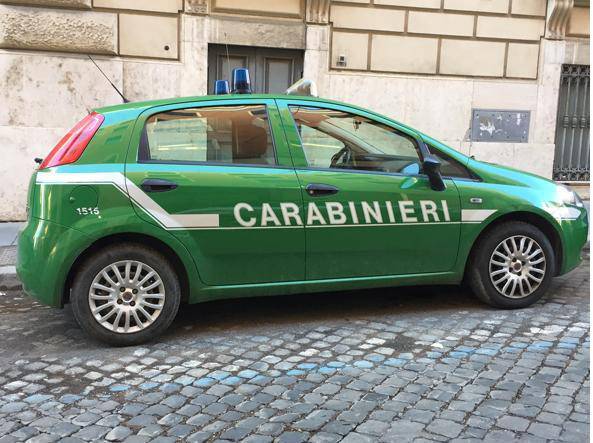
[222, 134]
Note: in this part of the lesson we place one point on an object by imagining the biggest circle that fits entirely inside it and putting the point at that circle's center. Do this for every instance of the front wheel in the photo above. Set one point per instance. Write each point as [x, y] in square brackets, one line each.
[125, 294]
[512, 266]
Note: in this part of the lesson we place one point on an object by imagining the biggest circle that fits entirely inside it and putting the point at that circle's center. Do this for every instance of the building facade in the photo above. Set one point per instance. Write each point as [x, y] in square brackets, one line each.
[504, 80]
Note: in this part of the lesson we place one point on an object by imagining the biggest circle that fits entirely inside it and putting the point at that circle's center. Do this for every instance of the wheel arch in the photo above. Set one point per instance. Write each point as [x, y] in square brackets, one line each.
[131, 237]
[532, 218]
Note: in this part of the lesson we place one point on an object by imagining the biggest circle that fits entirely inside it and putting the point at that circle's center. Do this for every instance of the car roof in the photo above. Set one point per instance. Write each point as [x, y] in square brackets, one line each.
[140, 105]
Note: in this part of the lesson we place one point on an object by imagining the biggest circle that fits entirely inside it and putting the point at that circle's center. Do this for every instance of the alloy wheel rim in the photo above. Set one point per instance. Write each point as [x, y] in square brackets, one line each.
[126, 296]
[517, 266]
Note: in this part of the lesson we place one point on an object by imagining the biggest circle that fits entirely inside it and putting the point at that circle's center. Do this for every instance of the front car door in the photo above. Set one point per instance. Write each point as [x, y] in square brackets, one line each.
[205, 171]
[370, 211]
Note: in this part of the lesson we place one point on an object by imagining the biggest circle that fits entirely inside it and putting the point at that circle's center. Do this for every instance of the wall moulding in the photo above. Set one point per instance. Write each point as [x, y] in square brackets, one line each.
[317, 11]
[265, 8]
[73, 4]
[196, 7]
[559, 18]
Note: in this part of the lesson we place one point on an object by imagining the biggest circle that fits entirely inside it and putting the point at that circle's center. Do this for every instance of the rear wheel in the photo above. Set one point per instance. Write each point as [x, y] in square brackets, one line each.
[512, 266]
[125, 294]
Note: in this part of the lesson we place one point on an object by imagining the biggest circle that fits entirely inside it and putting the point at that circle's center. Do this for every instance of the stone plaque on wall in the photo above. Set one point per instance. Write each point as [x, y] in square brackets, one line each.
[490, 125]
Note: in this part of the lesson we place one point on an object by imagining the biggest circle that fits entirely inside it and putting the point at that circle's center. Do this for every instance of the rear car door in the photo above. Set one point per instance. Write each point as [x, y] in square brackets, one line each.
[370, 209]
[197, 168]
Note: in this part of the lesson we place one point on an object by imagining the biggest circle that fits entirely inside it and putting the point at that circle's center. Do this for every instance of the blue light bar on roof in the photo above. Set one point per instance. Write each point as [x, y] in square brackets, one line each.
[241, 82]
[221, 87]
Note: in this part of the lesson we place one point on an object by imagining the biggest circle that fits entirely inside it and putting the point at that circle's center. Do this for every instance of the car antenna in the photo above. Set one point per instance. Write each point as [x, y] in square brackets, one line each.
[110, 82]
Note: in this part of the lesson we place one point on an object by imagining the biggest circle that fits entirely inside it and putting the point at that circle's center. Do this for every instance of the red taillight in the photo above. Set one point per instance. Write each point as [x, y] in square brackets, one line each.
[72, 145]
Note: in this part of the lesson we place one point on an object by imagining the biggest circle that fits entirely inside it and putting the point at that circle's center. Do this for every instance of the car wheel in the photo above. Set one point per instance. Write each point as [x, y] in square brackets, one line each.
[512, 266]
[125, 294]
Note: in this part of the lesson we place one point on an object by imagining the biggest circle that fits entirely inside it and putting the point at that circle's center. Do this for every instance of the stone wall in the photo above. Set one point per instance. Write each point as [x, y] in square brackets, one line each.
[106, 29]
[426, 63]
[442, 106]
[478, 38]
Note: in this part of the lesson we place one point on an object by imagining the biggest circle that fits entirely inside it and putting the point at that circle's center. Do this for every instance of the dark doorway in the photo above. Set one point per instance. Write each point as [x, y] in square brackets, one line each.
[272, 70]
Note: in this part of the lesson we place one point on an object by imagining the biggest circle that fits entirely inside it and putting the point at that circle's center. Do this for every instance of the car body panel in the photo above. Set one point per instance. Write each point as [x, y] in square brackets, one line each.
[227, 252]
[57, 234]
[44, 272]
[74, 207]
[357, 249]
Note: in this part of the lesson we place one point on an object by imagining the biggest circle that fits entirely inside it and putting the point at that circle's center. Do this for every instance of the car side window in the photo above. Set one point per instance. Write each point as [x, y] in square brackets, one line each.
[449, 166]
[339, 140]
[219, 134]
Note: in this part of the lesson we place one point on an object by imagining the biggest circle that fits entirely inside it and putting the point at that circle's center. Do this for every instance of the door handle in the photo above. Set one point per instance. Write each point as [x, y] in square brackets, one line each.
[320, 190]
[157, 185]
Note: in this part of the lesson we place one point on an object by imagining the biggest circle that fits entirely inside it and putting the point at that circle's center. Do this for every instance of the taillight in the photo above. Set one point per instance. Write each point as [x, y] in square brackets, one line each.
[72, 145]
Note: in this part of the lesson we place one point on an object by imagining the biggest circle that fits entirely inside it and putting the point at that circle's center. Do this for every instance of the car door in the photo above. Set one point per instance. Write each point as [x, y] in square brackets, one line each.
[370, 211]
[198, 169]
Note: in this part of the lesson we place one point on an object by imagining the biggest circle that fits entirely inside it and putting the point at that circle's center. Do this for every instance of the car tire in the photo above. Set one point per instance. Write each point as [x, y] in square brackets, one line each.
[143, 296]
[511, 277]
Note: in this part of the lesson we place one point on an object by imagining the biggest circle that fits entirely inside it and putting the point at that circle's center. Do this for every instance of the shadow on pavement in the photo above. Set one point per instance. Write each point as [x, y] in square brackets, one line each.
[323, 307]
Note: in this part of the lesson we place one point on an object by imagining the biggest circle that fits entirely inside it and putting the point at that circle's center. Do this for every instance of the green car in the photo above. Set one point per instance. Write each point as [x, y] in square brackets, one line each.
[144, 206]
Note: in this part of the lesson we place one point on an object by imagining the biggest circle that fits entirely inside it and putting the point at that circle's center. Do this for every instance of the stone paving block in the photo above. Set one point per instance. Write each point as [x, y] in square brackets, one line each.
[445, 368]
[544, 430]
[516, 424]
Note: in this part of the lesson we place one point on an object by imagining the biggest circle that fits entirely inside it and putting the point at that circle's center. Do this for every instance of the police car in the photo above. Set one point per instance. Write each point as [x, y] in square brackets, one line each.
[144, 206]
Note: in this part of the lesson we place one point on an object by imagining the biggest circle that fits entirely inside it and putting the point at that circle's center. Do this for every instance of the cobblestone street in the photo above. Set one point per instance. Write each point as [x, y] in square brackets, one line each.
[422, 364]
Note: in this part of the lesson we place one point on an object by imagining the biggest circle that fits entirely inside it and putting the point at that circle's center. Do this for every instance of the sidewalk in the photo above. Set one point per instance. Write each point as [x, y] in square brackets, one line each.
[8, 238]
[9, 232]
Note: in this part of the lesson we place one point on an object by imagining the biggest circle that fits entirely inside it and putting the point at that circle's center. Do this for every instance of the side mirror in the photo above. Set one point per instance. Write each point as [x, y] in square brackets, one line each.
[432, 168]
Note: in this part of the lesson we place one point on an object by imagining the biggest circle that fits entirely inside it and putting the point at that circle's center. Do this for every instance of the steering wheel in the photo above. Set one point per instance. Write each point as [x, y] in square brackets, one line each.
[345, 155]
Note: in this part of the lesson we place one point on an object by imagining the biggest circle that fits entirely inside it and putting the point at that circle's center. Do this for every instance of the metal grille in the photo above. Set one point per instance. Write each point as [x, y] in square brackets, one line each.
[571, 161]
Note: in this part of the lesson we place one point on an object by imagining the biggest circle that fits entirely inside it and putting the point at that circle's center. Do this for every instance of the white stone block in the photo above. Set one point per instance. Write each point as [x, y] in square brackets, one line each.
[353, 47]
[497, 6]
[422, 22]
[53, 91]
[169, 6]
[433, 4]
[529, 7]
[376, 19]
[20, 145]
[404, 54]
[58, 30]
[148, 35]
[510, 28]
[472, 57]
[522, 60]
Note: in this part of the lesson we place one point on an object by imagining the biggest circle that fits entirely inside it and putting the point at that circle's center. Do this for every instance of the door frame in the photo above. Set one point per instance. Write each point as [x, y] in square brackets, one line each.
[284, 165]
[256, 57]
[283, 156]
[301, 164]
[294, 141]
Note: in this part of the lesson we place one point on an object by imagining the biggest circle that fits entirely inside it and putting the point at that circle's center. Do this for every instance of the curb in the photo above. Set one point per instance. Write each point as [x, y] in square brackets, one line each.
[9, 279]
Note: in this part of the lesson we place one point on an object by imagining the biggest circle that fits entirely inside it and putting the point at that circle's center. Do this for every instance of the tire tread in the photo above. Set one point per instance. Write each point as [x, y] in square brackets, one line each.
[110, 254]
[478, 281]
